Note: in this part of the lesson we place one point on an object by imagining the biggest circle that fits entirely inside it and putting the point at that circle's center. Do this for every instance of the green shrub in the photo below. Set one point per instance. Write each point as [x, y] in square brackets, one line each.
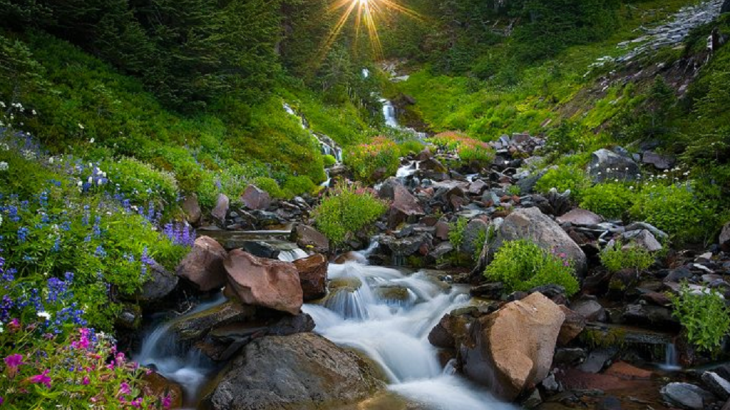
[135, 179]
[298, 185]
[616, 258]
[456, 233]
[269, 185]
[562, 178]
[523, 265]
[611, 200]
[345, 211]
[677, 210]
[329, 161]
[469, 150]
[368, 160]
[704, 315]
[408, 147]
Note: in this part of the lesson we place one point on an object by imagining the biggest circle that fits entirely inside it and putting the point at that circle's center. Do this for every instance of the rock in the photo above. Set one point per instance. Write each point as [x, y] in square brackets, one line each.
[255, 198]
[580, 217]
[477, 187]
[474, 229]
[717, 385]
[159, 284]
[660, 162]
[725, 7]
[642, 314]
[589, 308]
[404, 206]
[313, 276]
[686, 395]
[597, 360]
[155, 385]
[405, 246]
[725, 236]
[130, 318]
[492, 291]
[532, 224]
[449, 332]
[263, 282]
[644, 239]
[569, 357]
[512, 348]
[191, 208]
[196, 326]
[572, 326]
[299, 371]
[220, 211]
[442, 230]
[261, 249]
[203, 265]
[309, 238]
[607, 166]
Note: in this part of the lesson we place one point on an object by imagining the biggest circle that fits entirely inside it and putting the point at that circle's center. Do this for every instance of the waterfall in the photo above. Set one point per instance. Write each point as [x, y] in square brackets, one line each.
[290, 255]
[162, 351]
[394, 333]
[389, 113]
[671, 359]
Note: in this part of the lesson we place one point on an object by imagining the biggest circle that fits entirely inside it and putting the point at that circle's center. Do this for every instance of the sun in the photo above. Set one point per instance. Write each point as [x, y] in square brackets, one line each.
[367, 14]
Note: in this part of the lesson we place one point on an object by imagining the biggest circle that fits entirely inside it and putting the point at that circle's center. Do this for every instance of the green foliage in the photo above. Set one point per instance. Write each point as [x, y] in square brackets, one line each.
[299, 185]
[346, 211]
[135, 179]
[523, 265]
[269, 185]
[469, 150]
[618, 257]
[329, 161]
[409, 147]
[677, 210]
[611, 200]
[375, 160]
[456, 233]
[704, 315]
[564, 177]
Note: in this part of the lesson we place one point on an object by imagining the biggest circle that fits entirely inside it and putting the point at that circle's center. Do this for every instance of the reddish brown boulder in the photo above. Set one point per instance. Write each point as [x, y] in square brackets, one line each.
[156, 385]
[255, 198]
[191, 208]
[580, 217]
[512, 349]
[313, 276]
[264, 282]
[221, 208]
[404, 206]
[572, 326]
[309, 238]
[203, 266]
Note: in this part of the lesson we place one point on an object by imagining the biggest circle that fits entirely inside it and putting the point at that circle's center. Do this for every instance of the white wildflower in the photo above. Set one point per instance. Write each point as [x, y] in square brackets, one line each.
[81, 126]
[79, 183]
[3, 166]
[2, 104]
[33, 111]
[51, 160]
[90, 180]
[91, 141]
[44, 315]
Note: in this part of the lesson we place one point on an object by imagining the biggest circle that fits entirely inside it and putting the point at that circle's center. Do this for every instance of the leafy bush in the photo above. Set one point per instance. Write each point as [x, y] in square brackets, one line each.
[704, 315]
[677, 210]
[565, 177]
[298, 185]
[345, 211]
[408, 147]
[329, 161]
[523, 265]
[269, 185]
[611, 200]
[456, 233]
[135, 179]
[469, 150]
[368, 160]
[616, 257]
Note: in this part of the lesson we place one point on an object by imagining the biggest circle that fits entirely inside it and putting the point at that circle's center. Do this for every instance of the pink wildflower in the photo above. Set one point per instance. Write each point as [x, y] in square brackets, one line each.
[85, 381]
[124, 388]
[41, 378]
[13, 362]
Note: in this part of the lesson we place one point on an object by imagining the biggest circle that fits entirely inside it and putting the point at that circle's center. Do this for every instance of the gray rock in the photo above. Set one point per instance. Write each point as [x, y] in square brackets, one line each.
[532, 224]
[607, 165]
[660, 162]
[299, 371]
[159, 284]
[471, 233]
[598, 359]
[717, 384]
[580, 217]
[220, 210]
[309, 238]
[255, 198]
[644, 239]
[725, 236]
[191, 208]
[686, 395]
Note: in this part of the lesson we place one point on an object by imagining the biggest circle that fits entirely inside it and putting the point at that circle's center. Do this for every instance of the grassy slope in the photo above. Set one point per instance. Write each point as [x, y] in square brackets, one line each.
[486, 109]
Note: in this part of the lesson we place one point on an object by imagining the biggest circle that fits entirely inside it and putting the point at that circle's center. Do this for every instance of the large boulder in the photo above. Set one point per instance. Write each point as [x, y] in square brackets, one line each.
[191, 208]
[255, 198]
[309, 238]
[474, 229]
[194, 327]
[220, 211]
[301, 371]
[532, 224]
[156, 385]
[203, 266]
[313, 276]
[403, 204]
[512, 349]
[608, 165]
[264, 282]
[159, 284]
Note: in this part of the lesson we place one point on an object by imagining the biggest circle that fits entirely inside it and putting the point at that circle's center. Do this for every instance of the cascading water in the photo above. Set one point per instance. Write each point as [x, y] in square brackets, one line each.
[671, 359]
[387, 315]
[176, 361]
[389, 113]
[292, 255]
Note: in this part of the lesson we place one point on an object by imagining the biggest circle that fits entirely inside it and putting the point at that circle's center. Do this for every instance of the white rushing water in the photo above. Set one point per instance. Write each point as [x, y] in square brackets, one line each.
[393, 332]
